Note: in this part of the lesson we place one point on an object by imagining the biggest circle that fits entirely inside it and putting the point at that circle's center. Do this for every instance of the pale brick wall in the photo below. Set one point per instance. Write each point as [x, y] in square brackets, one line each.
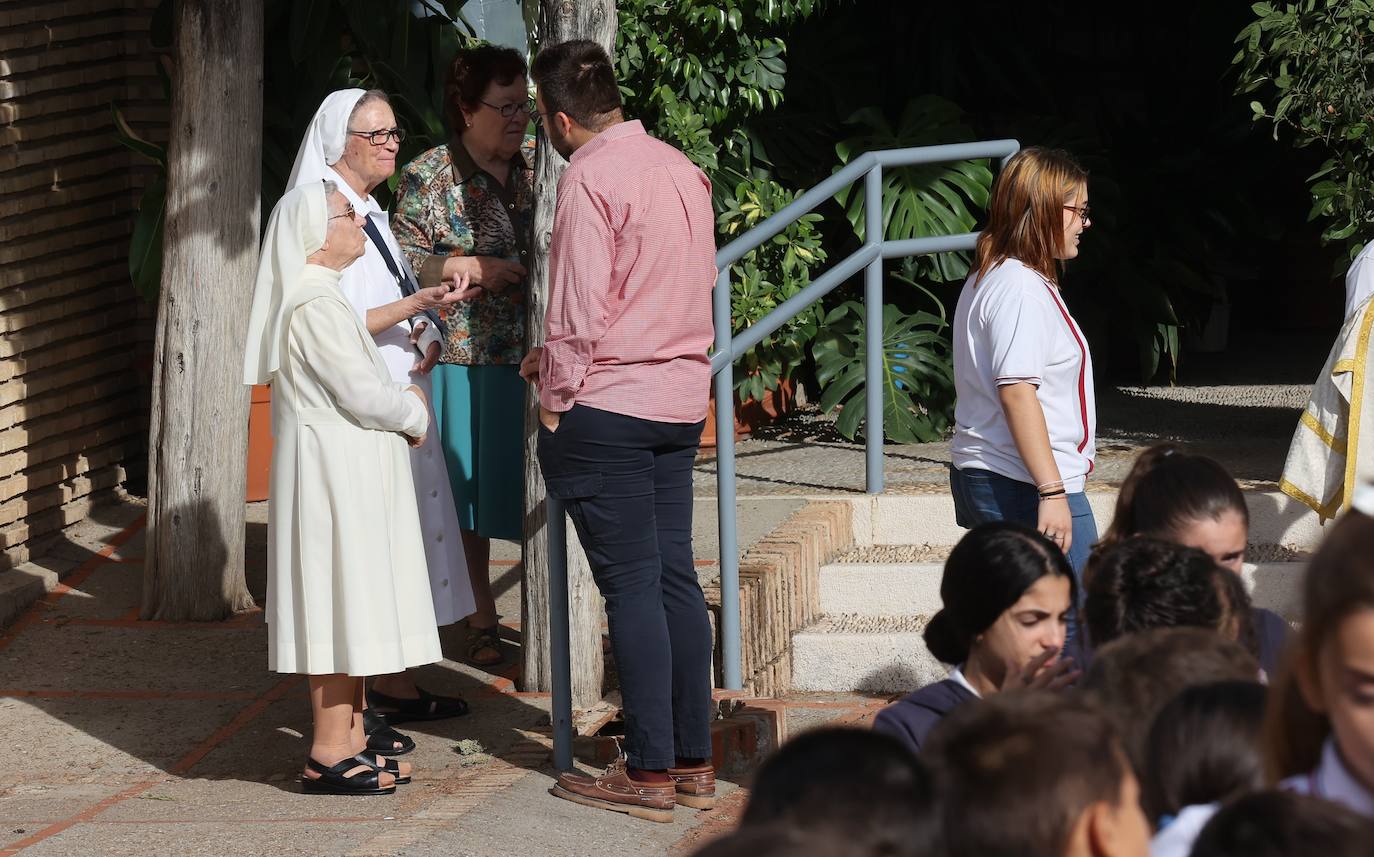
[74, 335]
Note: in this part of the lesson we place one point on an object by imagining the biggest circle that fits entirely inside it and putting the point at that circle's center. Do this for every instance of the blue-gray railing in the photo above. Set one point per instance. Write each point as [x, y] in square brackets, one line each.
[729, 347]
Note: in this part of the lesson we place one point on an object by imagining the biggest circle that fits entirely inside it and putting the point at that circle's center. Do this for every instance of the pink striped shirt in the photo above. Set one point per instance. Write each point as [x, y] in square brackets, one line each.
[632, 265]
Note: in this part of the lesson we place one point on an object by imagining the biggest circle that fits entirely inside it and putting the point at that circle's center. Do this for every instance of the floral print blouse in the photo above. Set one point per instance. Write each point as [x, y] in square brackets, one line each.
[446, 206]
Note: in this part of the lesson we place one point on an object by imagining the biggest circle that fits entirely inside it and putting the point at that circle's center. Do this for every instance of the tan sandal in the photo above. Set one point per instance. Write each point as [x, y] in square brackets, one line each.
[484, 646]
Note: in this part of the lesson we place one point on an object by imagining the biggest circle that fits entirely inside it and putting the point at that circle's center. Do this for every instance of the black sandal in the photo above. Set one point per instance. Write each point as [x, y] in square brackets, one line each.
[390, 766]
[428, 706]
[381, 738]
[333, 782]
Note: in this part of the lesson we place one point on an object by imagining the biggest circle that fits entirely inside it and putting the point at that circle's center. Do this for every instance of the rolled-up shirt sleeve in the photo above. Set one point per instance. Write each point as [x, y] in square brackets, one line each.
[1017, 328]
[580, 259]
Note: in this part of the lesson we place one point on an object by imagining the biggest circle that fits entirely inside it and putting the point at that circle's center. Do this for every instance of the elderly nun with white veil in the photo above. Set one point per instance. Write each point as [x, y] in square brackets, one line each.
[347, 588]
[353, 140]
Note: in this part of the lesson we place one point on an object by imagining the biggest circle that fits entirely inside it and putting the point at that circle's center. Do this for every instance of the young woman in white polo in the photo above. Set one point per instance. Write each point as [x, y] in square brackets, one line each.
[1026, 418]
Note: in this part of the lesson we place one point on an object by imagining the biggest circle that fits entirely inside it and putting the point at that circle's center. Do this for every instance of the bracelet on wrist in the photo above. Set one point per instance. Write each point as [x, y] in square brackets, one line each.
[1058, 483]
[1045, 497]
[1058, 492]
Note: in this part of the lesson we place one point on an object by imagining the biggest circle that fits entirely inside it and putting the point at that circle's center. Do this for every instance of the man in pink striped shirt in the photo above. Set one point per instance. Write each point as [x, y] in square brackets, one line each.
[623, 381]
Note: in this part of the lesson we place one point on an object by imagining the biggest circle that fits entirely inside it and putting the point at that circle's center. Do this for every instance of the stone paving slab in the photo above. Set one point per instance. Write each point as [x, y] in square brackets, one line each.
[155, 738]
[1246, 427]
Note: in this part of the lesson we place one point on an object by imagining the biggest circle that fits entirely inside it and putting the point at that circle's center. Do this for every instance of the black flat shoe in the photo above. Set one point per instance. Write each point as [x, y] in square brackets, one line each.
[428, 706]
[391, 766]
[381, 738]
[333, 782]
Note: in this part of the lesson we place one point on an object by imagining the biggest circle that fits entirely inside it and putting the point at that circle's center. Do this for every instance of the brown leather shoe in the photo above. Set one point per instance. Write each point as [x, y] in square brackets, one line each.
[696, 787]
[614, 790]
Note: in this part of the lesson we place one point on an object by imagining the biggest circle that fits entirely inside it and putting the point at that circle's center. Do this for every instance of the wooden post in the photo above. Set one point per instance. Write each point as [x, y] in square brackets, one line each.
[560, 21]
[198, 435]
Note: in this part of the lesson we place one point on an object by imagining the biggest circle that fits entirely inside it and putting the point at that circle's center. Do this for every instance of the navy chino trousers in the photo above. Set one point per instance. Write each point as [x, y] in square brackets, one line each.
[627, 485]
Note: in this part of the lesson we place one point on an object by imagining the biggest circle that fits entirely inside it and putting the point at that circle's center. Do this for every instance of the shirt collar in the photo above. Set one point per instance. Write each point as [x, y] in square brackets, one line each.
[366, 207]
[956, 675]
[465, 167]
[1333, 781]
[618, 131]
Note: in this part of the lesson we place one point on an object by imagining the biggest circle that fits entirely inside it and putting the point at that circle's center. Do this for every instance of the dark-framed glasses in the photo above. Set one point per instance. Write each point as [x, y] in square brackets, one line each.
[508, 111]
[347, 212]
[381, 136]
[1081, 211]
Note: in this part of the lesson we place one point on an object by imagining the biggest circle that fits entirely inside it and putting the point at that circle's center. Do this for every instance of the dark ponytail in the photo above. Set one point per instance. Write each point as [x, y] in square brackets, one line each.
[1168, 489]
[988, 571]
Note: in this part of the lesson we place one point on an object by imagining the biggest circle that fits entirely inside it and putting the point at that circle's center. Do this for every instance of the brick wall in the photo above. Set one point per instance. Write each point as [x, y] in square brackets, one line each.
[75, 339]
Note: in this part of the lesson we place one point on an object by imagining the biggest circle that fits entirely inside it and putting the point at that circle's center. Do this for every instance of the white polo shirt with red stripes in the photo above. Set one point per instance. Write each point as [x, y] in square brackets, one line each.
[1012, 326]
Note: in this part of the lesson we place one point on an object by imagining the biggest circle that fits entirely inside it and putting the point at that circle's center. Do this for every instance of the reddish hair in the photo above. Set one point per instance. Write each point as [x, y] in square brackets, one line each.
[469, 75]
[1026, 212]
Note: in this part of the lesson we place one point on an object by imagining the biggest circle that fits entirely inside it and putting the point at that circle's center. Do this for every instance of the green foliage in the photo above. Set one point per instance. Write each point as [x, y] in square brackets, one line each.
[721, 59]
[924, 200]
[1308, 66]
[917, 375]
[765, 278]
[145, 247]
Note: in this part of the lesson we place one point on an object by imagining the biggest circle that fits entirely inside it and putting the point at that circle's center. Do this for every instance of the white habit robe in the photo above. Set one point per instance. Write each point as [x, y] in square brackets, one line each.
[347, 587]
[368, 284]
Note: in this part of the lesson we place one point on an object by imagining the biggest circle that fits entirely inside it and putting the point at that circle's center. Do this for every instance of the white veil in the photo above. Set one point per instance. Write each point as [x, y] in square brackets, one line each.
[295, 231]
[325, 137]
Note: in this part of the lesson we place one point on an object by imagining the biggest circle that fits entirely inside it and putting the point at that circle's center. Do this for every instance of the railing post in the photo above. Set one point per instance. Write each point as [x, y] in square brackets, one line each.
[560, 677]
[873, 332]
[725, 487]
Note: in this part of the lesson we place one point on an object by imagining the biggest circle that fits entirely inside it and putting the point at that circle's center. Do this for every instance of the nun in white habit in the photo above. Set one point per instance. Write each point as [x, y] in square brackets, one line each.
[347, 589]
[352, 141]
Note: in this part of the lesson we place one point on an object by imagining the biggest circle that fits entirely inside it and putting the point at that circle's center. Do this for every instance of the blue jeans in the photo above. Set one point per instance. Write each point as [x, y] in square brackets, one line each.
[981, 496]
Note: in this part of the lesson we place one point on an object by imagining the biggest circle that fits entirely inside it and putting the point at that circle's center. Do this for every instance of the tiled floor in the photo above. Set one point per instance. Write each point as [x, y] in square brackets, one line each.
[169, 738]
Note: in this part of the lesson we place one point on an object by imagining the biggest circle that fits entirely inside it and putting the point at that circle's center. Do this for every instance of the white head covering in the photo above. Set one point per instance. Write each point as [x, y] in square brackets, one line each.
[296, 230]
[325, 137]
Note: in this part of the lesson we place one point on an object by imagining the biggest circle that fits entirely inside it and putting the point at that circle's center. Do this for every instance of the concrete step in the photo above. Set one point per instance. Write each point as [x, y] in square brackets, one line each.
[870, 638]
[928, 519]
[913, 589]
[882, 654]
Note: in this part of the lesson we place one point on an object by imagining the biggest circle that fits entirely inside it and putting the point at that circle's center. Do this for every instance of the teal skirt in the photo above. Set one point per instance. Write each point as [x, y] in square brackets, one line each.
[481, 415]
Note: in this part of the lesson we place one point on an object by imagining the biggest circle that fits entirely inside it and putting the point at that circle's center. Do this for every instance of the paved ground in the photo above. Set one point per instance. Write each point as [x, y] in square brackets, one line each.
[1246, 427]
[134, 738]
[143, 738]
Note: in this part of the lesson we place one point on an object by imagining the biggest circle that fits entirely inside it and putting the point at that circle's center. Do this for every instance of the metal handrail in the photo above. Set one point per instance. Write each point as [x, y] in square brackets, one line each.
[729, 347]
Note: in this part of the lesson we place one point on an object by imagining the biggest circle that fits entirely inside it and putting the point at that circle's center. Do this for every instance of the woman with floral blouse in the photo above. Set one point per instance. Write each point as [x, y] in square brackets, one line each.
[465, 208]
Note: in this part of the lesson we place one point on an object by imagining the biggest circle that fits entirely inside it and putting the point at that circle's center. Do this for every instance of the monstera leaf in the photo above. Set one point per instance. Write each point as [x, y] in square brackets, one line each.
[926, 200]
[917, 377]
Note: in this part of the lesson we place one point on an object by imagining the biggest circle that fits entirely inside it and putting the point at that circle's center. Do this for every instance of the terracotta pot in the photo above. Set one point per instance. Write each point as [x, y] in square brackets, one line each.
[751, 413]
[259, 443]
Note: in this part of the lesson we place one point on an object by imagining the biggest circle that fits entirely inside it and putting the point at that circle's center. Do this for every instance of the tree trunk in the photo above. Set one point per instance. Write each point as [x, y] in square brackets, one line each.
[198, 435]
[560, 21]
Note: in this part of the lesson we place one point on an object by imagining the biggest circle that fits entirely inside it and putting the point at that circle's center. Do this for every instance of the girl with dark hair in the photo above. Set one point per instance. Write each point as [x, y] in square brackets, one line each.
[1008, 593]
[1279, 824]
[1026, 416]
[1191, 500]
[1203, 750]
[1320, 730]
[1142, 583]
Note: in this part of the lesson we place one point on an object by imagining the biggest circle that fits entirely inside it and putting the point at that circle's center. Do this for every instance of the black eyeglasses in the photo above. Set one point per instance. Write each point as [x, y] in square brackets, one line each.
[508, 111]
[1081, 211]
[381, 136]
[347, 212]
